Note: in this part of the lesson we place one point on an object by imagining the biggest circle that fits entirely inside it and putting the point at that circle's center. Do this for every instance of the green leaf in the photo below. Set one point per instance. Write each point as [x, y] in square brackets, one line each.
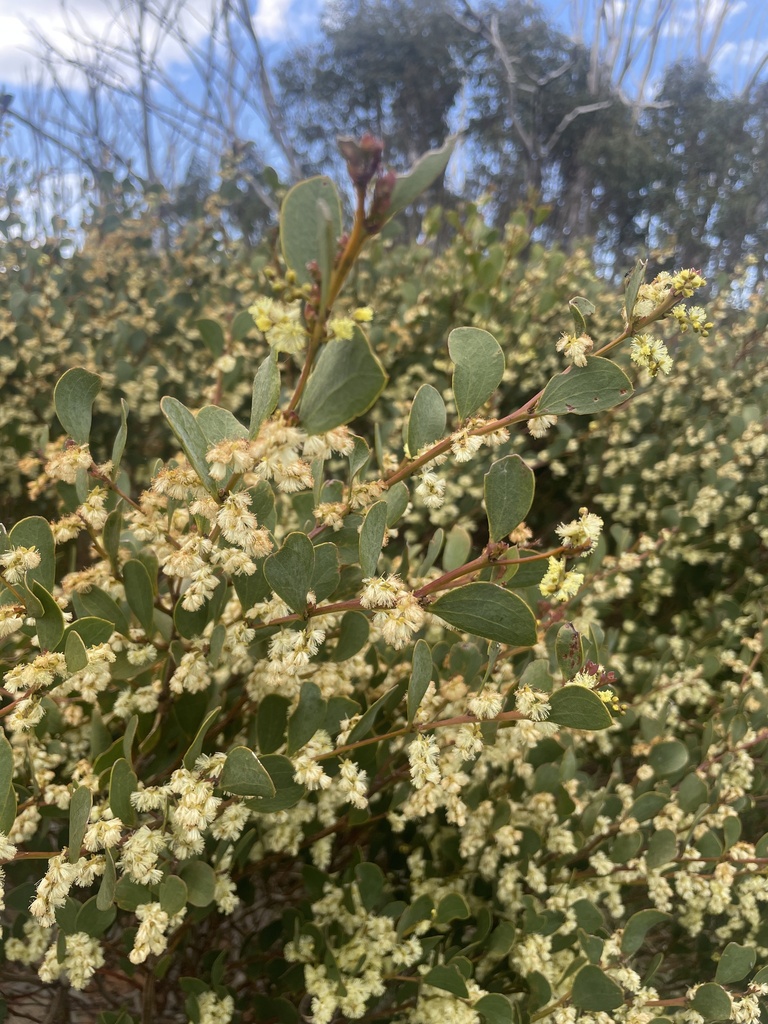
[302, 220]
[139, 594]
[173, 894]
[583, 390]
[668, 758]
[7, 792]
[486, 610]
[502, 939]
[421, 674]
[73, 399]
[479, 364]
[372, 537]
[346, 381]
[96, 605]
[35, 532]
[79, 812]
[271, 721]
[326, 250]
[120, 438]
[735, 963]
[49, 625]
[397, 497]
[712, 1002]
[325, 575]
[370, 884]
[195, 748]
[383, 705]
[638, 926]
[122, 782]
[8, 807]
[93, 921]
[266, 392]
[594, 990]
[242, 325]
[190, 436]
[588, 916]
[288, 792]
[692, 793]
[662, 848]
[569, 650]
[633, 281]
[200, 879]
[193, 623]
[129, 894]
[111, 533]
[458, 544]
[426, 422]
[578, 708]
[244, 775]
[433, 550]
[420, 910]
[289, 571]
[358, 458]
[353, 636]
[212, 335]
[647, 806]
[308, 717]
[452, 907]
[494, 1008]
[508, 488]
[219, 424]
[90, 629]
[580, 309]
[426, 170]
[447, 978]
[129, 734]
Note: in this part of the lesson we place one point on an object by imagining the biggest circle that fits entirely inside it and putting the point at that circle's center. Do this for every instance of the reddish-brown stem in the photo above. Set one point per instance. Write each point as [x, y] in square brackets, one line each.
[354, 244]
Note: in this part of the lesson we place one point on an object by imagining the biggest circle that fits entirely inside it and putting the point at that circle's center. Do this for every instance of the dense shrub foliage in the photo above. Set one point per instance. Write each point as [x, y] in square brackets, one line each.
[326, 695]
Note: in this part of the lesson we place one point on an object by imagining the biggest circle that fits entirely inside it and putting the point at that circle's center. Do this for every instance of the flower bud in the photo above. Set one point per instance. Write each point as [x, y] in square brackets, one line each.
[363, 157]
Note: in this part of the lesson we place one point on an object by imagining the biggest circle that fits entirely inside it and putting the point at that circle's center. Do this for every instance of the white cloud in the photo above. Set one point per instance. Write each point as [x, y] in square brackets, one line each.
[272, 19]
[114, 23]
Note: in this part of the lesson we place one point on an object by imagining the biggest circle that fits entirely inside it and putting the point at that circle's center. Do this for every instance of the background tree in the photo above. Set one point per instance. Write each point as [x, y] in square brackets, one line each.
[630, 148]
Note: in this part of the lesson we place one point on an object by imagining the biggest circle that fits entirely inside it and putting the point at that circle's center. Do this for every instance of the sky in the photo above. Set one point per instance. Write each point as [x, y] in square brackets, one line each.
[276, 21]
[735, 30]
[742, 37]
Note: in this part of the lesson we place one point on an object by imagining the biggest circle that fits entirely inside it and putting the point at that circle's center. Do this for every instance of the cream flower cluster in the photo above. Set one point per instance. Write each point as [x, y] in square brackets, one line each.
[575, 348]
[398, 614]
[559, 583]
[18, 561]
[582, 533]
[280, 324]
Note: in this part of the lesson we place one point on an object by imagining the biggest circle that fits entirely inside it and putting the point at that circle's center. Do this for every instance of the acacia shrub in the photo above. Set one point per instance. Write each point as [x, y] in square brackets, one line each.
[279, 746]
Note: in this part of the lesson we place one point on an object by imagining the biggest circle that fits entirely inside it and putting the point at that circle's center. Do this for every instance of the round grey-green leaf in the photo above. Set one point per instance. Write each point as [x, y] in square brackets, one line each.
[508, 487]
[346, 381]
[486, 610]
[289, 571]
[244, 775]
[598, 386]
[735, 963]
[638, 927]
[668, 758]
[429, 167]
[479, 367]
[426, 422]
[578, 707]
[712, 1002]
[594, 990]
[73, 399]
[301, 220]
